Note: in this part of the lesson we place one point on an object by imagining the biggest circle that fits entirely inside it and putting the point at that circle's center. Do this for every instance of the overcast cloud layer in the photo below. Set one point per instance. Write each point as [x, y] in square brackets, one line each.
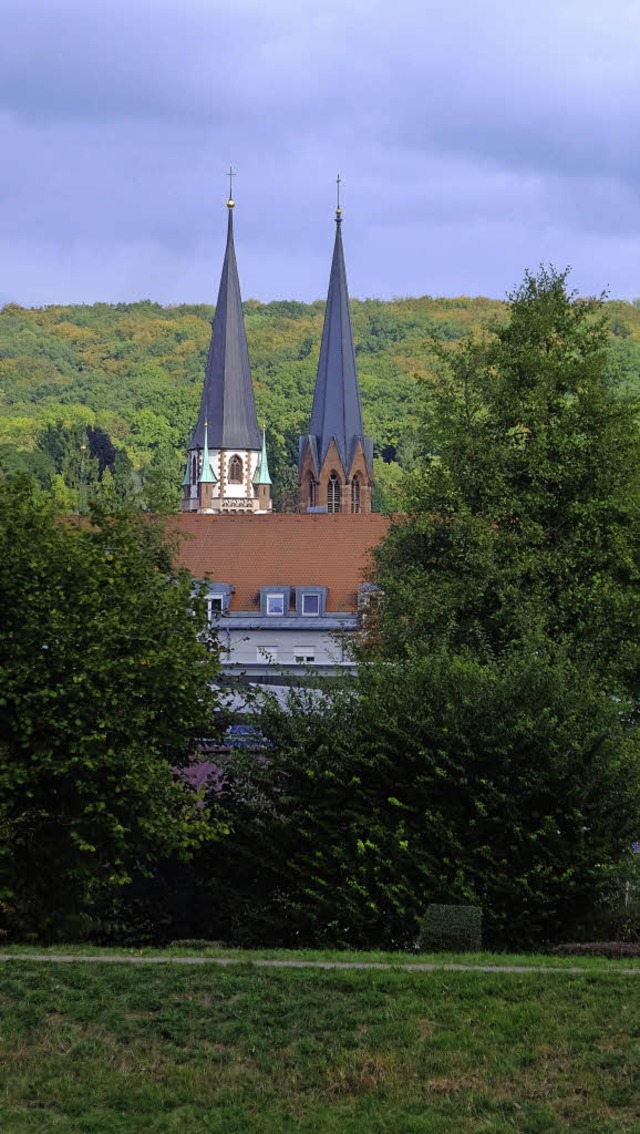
[475, 138]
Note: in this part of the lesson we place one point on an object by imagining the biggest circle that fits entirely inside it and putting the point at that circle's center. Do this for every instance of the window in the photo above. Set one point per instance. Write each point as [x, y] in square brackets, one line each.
[275, 604]
[235, 470]
[311, 604]
[219, 599]
[267, 654]
[312, 490]
[304, 655]
[216, 606]
[311, 600]
[194, 470]
[275, 599]
[334, 490]
[355, 494]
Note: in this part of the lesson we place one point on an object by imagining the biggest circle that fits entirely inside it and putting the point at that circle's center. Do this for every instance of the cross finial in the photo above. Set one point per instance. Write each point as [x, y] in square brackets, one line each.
[338, 209]
[231, 174]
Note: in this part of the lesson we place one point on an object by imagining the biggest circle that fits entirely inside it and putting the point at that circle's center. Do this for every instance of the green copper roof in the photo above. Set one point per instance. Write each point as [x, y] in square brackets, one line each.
[187, 477]
[261, 475]
[207, 475]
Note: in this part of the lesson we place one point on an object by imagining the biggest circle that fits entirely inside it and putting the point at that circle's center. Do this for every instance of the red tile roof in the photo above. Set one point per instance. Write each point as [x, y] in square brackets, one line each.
[293, 550]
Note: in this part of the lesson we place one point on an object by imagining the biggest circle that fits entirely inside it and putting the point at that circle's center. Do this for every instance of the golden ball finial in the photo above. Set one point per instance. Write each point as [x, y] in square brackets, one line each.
[230, 203]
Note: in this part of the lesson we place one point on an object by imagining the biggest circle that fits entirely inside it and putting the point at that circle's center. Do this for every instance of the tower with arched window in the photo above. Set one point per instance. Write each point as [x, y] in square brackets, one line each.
[336, 459]
[227, 461]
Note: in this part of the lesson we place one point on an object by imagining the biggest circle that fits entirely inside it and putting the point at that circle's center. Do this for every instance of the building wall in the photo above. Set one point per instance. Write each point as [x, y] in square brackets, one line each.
[269, 648]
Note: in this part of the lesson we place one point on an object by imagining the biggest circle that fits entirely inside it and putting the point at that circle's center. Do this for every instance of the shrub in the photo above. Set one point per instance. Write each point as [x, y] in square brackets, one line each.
[599, 949]
[455, 929]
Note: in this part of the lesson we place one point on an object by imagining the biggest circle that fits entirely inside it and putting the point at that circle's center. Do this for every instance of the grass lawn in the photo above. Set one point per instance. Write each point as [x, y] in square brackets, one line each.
[118, 1049]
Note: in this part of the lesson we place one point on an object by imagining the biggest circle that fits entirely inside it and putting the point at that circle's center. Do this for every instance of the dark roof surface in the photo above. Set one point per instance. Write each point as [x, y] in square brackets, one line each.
[283, 550]
[336, 403]
[227, 398]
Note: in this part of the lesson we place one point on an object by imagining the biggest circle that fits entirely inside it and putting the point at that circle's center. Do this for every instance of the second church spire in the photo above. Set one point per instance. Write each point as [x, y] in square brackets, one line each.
[335, 457]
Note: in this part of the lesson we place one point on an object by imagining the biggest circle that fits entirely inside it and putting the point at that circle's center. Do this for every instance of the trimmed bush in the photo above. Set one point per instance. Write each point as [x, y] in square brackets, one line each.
[452, 929]
[599, 949]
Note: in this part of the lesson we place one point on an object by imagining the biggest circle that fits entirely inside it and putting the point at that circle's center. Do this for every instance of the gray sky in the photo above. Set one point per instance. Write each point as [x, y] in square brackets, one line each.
[474, 138]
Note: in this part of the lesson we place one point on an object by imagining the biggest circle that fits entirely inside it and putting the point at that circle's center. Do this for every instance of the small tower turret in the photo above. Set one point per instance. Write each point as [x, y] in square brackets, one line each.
[207, 478]
[262, 480]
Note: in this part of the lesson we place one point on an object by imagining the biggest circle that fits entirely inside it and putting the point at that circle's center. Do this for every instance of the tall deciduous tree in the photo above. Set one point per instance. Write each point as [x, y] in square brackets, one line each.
[104, 678]
[525, 512]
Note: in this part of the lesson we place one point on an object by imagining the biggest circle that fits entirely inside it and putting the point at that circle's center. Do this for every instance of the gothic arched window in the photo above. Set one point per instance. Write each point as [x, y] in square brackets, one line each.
[312, 490]
[194, 470]
[235, 470]
[334, 493]
[355, 494]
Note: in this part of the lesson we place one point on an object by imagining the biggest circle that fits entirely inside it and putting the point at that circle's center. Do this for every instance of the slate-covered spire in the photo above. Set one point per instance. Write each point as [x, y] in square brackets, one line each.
[336, 409]
[227, 398]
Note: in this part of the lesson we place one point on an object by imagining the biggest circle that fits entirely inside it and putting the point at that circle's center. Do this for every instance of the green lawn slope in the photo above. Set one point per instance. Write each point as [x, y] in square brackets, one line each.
[116, 1049]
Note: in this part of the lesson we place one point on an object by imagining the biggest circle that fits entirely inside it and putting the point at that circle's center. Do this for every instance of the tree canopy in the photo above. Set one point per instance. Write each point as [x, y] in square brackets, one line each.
[525, 506]
[135, 372]
[105, 678]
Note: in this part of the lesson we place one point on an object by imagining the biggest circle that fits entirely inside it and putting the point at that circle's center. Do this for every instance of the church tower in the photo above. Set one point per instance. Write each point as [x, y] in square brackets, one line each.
[336, 459]
[227, 460]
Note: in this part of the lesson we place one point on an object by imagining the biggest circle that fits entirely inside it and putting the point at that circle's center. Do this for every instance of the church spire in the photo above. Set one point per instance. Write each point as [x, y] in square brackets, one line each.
[227, 398]
[226, 447]
[336, 433]
[336, 409]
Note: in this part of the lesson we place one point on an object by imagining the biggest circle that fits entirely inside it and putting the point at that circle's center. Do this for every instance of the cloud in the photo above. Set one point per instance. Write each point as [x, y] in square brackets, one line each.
[474, 139]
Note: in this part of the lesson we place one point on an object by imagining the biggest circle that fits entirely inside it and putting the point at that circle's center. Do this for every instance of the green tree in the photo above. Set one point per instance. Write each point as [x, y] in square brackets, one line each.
[105, 677]
[162, 484]
[525, 512]
[512, 784]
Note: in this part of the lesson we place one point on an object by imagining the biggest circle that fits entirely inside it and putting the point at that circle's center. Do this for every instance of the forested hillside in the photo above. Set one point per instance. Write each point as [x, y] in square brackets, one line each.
[107, 395]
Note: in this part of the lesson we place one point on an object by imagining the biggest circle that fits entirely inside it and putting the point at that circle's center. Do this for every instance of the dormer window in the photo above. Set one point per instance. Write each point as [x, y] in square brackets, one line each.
[219, 600]
[310, 604]
[311, 601]
[275, 604]
[274, 600]
[235, 470]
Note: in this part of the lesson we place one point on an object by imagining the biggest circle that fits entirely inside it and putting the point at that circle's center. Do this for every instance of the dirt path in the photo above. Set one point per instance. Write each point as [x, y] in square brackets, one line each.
[408, 967]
